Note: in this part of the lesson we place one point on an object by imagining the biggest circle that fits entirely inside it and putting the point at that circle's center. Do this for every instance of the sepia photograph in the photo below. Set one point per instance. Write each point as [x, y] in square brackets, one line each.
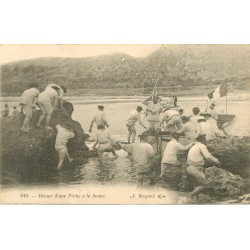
[125, 124]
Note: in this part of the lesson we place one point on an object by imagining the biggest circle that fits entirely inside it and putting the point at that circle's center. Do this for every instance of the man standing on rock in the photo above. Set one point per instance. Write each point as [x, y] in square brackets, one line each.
[62, 90]
[99, 119]
[170, 166]
[28, 99]
[47, 102]
[196, 160]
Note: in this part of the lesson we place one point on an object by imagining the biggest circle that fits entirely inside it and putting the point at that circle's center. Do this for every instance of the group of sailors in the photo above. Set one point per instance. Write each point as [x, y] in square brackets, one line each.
[197, 128]
[171, 119]
[47, 101]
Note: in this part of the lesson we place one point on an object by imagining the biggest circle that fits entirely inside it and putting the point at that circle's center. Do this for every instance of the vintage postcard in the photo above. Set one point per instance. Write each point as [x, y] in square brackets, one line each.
[125, 124]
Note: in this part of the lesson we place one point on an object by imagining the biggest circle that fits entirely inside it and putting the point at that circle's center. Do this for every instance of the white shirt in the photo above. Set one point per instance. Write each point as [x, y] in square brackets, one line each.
[190, 130]
[197, 154]
[153, 111]
[63, 135]
[208, 130]
[49, 95]
[60, 92]
[212, 121]
[213, 113]
[29, 96]
[133, 117]
[194, 119]
[168, 114]
[141, 153]
[171, 151]
[99, 118]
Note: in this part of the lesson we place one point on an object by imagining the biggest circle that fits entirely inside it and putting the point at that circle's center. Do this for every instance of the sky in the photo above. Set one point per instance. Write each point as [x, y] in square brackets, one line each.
[11, 53]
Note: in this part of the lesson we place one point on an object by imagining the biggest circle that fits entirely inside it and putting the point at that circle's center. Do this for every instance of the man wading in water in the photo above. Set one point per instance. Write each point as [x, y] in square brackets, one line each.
[99, 119]
[134, 116]
[143, 156]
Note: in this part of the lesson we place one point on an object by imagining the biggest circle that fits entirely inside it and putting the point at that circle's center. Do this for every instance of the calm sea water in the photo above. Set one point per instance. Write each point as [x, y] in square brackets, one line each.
[121, 170]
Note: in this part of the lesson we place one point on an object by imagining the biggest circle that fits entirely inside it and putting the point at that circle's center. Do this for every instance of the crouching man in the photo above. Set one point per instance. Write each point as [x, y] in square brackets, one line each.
[195, 160]
[143, 157]
[104, 141]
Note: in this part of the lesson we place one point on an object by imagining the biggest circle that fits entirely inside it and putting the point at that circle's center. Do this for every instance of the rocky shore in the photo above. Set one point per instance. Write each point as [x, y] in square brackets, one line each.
[24, 154]
[230, 181]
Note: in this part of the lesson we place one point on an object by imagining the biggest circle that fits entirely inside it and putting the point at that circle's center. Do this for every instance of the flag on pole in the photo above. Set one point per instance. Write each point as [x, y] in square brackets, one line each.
[219, 92]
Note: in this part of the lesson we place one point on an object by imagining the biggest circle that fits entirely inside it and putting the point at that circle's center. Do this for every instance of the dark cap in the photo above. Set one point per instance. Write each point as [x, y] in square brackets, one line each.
[55, 88]
[139, 108]
[64, 89]
[100, 106]
[212, 104]
[196, 108]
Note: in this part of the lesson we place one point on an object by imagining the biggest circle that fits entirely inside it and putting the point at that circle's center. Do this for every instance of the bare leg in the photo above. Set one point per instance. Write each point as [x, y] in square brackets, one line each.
[48, 118]
[133, 136]
[61, 159]
[129, 136]
[197, 190]
[41, 119]
[163, 172]
[114, 153]
[69, 158]
[21, 109]
[26, 124]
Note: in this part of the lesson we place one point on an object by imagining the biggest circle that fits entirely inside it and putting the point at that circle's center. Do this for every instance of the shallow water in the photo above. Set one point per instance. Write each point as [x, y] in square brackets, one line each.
[121, 170]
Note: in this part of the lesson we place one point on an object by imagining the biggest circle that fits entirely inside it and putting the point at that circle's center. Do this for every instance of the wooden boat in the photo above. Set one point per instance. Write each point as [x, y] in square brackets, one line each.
[159, 140]
[229, 121]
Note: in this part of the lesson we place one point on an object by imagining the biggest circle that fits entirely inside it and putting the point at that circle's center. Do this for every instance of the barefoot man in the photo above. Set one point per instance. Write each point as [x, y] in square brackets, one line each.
[134, 116]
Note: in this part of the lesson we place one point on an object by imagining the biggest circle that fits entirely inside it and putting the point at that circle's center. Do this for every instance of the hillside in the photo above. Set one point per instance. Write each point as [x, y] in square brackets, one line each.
[179, 67]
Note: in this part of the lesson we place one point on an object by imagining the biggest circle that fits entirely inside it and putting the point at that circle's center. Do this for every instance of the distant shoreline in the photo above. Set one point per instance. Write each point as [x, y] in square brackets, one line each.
[93, 99]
